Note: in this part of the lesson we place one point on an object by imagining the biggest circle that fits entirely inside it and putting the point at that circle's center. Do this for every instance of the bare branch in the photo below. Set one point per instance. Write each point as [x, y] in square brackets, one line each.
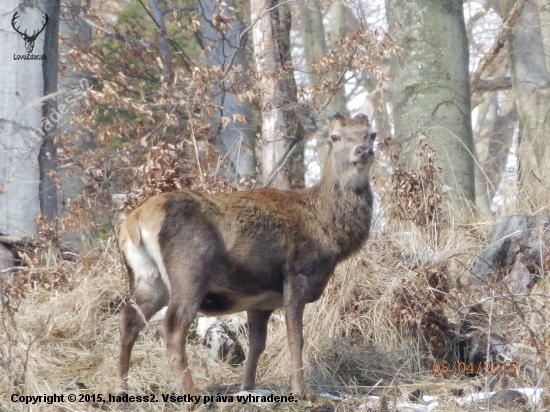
[502, 36]
[489, 85]
[16, 241]
[112, 34]
[158, 18]
[284, 162]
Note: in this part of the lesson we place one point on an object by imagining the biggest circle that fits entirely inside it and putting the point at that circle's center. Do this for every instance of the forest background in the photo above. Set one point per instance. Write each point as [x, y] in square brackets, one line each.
[141, 97]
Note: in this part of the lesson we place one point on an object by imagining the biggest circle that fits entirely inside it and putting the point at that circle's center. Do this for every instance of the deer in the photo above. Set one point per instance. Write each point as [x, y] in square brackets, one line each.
[27, 17]
[252, 250]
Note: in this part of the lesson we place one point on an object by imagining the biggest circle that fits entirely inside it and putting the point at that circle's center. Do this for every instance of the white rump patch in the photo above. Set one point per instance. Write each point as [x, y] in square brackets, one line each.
[153, 249]
[146, 262]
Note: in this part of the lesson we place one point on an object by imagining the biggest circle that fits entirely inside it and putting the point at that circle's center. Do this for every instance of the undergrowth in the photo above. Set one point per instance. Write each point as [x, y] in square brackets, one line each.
[387, 315]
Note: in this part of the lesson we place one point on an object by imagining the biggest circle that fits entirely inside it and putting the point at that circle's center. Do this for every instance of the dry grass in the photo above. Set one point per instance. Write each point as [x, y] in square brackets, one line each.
[371, 332]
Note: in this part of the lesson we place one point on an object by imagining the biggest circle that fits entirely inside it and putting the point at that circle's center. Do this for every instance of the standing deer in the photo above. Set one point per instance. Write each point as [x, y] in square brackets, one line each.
[253, 250]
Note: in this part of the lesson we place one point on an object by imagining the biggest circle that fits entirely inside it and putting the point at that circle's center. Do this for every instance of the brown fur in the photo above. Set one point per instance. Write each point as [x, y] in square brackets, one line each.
[254, 250]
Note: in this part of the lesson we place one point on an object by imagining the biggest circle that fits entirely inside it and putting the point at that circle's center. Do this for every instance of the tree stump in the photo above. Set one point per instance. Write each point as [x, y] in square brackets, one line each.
[517, 254]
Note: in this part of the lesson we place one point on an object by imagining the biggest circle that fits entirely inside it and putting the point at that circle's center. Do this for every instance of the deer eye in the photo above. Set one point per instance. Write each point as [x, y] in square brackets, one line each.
[335, 138]
[372, 136]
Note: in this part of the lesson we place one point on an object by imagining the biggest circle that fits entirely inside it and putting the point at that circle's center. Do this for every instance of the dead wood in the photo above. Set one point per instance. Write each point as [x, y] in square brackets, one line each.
[517, 252]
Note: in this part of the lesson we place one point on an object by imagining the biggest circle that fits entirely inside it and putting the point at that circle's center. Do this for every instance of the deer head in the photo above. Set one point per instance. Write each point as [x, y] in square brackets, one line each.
[352, 148]
[28, 20]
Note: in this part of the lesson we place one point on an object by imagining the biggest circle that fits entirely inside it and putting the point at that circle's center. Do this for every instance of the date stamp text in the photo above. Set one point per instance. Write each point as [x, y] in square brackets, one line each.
[477, 368]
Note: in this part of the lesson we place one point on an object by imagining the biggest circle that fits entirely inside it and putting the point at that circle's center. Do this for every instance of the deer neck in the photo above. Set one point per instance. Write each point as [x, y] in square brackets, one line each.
[344, 210]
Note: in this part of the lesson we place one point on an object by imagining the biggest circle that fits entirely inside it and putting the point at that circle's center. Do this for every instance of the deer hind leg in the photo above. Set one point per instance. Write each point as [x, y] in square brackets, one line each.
[179, 316]
[295, 289]
[145, 300]
[190, 276]
[257, 335]
[194, 255]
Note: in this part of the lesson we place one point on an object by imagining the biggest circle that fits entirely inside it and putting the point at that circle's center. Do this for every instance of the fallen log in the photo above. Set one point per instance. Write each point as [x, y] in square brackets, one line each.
[517, 252]
[15, 241]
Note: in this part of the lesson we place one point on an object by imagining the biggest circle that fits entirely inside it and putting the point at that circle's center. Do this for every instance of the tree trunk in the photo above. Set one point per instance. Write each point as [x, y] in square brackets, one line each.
[75, 32]
[312, 32]
[295, 130]
[431, 90]
[530, 79]
[47, 158]
[544, 17]
[158, 16]
[271, 83]
[236, 139]
[486, 118]
[20, 128]
[337, 32]
[499, 144]
[315, 46]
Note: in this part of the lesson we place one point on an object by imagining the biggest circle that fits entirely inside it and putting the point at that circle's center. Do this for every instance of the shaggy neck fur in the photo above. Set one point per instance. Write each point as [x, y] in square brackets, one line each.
[343, 205]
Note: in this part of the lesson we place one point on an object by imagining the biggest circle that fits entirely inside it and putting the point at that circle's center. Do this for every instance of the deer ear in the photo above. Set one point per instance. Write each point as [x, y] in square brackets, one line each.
[334, 115]
[361, 119]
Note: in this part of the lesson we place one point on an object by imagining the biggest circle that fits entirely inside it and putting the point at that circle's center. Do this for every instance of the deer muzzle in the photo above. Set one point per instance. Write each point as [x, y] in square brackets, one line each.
[361, 154]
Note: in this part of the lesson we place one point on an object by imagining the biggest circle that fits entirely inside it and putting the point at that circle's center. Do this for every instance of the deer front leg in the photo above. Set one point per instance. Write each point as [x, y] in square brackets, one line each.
[257, 335]
[295, 290]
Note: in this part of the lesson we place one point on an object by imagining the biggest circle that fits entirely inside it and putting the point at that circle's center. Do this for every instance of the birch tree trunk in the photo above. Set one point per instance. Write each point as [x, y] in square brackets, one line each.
[20, 127]
[430, 85]
[271, 81]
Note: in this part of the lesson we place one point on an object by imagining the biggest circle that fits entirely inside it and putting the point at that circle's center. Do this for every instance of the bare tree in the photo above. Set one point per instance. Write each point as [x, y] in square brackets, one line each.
[271, 86]
[221, 34]
[531, 79]
[47, 159]
[315, 46]
[431, 89]
[20, 126]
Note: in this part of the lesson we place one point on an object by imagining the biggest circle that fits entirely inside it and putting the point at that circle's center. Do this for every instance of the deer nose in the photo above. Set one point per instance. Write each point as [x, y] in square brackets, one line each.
[361, 149]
